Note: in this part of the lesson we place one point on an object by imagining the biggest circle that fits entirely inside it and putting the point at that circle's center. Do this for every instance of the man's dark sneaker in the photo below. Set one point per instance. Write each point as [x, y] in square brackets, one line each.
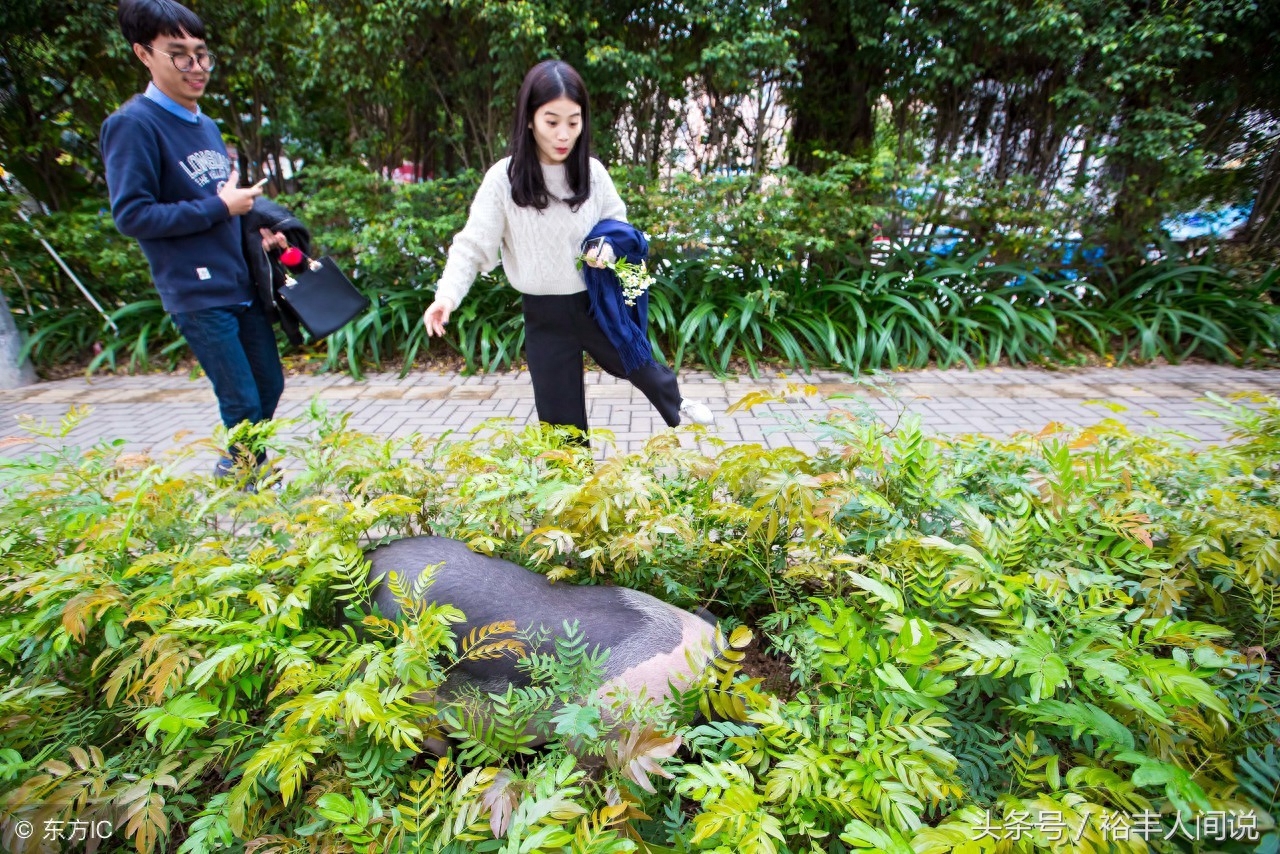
[229, 467]
[224, 468]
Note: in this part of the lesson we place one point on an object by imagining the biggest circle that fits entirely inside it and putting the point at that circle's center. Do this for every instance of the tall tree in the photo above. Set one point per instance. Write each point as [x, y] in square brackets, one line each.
[1238, 93]
[61, 74]
[842, 63]
[262, 52]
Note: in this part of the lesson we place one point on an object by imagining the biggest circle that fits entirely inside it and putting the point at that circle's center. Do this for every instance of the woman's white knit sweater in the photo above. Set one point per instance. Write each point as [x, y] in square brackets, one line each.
[539, 249]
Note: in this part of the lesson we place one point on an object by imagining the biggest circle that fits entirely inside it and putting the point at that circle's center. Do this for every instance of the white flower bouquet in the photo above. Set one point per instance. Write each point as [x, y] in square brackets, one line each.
[635, 279]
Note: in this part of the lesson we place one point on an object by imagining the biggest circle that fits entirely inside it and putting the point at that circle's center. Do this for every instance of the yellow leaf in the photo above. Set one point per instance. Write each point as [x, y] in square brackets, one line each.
[754, 399]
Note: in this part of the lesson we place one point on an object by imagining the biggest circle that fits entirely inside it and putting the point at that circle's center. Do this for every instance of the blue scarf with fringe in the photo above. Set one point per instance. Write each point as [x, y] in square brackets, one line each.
[626, 326]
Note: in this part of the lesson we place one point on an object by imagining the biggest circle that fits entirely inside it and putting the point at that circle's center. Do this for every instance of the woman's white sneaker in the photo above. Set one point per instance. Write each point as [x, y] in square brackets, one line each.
[697, 412]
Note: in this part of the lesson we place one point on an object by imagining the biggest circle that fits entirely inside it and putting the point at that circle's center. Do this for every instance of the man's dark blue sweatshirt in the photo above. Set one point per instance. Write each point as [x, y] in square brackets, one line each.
[164, 175]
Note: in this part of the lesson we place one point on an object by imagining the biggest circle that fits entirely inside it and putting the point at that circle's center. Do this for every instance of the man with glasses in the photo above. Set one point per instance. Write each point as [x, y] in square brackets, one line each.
[174, 189]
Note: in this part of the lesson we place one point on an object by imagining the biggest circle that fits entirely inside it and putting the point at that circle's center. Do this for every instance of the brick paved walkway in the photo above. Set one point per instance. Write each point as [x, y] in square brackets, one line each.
[147, 411]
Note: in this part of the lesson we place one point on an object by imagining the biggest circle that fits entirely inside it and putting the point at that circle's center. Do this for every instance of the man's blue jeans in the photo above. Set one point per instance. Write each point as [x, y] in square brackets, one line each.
[236, 346]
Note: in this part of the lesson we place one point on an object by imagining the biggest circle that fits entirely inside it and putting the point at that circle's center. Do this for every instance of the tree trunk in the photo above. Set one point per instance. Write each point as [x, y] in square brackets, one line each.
[12, 373]
[832, 107]
[1266, 202]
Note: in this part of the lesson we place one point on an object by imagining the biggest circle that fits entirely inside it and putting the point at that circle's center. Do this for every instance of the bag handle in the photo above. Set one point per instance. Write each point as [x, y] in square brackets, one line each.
[312, 265]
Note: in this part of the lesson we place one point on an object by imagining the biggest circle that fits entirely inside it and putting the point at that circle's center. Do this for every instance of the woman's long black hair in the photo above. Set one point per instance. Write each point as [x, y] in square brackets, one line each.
[544, 83]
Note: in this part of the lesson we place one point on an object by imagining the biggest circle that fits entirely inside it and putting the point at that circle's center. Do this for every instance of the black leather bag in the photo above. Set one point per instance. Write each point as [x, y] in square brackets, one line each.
[322, 298]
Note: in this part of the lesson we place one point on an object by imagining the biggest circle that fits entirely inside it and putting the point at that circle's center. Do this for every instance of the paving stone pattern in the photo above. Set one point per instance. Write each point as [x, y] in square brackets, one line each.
[157, 412]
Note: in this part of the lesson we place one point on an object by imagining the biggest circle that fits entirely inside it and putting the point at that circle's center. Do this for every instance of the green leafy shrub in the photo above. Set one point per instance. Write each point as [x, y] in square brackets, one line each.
[746, 270]
[1046, 636]
[781, 272]
[59, 322]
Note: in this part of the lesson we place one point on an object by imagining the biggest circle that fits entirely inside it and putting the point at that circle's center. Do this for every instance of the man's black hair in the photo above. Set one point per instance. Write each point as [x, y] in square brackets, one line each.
[142, 21]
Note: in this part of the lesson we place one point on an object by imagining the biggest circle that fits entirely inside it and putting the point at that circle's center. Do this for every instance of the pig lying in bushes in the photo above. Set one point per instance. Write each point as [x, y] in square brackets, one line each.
[651, 644]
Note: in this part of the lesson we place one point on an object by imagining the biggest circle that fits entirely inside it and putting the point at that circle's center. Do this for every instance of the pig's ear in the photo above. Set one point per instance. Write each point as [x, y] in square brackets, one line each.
[706, 616]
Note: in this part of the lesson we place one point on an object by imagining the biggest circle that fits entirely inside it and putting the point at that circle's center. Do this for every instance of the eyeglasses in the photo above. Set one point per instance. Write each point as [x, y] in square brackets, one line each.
[185, 62]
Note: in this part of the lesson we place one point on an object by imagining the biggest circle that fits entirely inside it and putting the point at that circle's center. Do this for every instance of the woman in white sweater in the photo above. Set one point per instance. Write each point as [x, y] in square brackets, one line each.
[536, 207]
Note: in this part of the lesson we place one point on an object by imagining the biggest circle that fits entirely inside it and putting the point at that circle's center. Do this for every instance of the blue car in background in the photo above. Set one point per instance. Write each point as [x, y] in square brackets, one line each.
[1219, 223]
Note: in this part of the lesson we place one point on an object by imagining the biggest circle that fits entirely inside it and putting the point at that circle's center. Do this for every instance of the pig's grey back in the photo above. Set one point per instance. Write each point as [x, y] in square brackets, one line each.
[632, 625]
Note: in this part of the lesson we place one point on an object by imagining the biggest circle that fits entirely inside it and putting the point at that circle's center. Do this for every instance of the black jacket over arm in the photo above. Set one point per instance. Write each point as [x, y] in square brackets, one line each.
[265, 268]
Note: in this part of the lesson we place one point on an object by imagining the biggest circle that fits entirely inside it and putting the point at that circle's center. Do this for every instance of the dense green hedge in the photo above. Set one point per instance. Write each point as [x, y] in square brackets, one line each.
[779, 271]
[1075, 631]
[1106, 117]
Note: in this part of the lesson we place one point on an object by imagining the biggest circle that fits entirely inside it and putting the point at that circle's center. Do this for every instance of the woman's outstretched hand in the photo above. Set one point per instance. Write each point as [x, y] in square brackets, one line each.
[436, 316]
